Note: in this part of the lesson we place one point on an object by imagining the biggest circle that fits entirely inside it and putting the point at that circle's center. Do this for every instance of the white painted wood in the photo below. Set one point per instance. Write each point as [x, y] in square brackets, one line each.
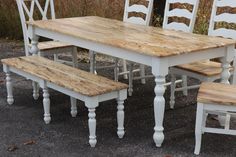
[172, 91]
[221, 32]
[159, 66]
[198, 128]
[180, 13]
[226, 3]
[46, 105]
[202, 110]
[137, 8]
[159, 108]
[120, 118]
[28, 13]
[10, 99]
[177, 12]
[73, 110]
[90, 102]
[225, 17]
[185, 84]
[35, 90]
[92, 127]
[130, 90]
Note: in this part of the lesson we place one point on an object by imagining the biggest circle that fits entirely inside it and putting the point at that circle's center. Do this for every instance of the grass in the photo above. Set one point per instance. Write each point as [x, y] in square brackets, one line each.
[10, 26]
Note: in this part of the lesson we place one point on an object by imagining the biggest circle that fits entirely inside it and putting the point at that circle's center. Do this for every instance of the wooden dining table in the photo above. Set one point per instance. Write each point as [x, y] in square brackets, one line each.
[151, 46]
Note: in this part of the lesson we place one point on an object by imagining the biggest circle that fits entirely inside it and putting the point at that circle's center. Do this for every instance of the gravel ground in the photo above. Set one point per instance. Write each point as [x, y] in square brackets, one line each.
[24, 134]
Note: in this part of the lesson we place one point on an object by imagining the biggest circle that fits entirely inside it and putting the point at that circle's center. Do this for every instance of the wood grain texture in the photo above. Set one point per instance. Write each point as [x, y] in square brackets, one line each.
[65, 76]
[217, 93]
[206, 68]
[149, 41]
[49, 45]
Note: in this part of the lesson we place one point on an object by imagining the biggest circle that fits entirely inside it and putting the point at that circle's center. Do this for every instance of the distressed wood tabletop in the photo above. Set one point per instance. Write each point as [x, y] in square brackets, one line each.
[149, 41]
[71, 78]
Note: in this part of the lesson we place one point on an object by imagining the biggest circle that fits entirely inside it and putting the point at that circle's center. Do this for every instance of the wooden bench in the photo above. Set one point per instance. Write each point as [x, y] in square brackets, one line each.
[214, 98]
[75, 83]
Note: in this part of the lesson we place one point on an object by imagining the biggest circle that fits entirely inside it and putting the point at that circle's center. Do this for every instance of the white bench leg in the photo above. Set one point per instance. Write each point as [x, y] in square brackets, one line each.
[73, 111]
[35, 90]
[130, 90]
[198, 128]
[142, 73]
[10, 99]
[120, 118]
[172, 94]
[92, 127]
[185, 84]
[46, 105]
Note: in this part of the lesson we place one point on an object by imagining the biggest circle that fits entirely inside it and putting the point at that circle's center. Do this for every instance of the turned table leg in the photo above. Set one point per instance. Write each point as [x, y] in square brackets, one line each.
[159, 108]
[73, 111]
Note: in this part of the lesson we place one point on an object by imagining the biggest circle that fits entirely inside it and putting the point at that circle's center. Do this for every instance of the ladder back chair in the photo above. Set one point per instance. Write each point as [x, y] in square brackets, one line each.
[209, 70]
[134, 8]
[27, 10]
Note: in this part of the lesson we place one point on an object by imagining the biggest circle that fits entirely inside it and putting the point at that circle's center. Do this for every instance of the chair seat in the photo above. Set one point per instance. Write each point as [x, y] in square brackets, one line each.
[206, 68]
[49, 45]
[217, 93]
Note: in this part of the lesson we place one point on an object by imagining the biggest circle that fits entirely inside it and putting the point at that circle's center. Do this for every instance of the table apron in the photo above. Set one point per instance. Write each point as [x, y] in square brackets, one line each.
[131, 55]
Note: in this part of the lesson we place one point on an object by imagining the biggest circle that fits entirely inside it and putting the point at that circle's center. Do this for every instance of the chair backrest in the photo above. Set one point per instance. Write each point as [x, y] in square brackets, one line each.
[222, 17]
[138, 8]
[178, 12]
[27, 9]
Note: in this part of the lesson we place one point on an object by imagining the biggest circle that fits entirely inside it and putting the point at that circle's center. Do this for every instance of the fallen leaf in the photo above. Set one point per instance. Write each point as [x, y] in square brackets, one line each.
[30, 142]
[12, 148]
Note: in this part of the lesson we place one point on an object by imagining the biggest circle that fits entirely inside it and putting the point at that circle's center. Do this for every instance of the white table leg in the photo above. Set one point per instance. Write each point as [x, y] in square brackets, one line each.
[35, 90]
[46, 105]
[159, 109]
[73, 110]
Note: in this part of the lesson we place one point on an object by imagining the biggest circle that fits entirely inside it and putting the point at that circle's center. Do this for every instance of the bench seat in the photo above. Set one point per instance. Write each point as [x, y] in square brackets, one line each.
[77, 84]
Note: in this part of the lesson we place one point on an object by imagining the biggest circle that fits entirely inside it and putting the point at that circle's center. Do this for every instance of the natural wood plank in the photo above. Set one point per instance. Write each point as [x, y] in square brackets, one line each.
[207, 68]
[217, 93]
[49, 45]
[68, 77]
[150, 41]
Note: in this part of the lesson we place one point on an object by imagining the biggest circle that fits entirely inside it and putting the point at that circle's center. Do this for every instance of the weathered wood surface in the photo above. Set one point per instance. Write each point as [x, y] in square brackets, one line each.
[49, 45]
[150, 41]
[217, 93]
[206, 68]
[68, 77]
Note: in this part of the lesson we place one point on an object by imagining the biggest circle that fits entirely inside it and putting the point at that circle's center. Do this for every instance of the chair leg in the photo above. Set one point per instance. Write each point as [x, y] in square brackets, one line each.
[120, 118]
[142, 73]
[184, 85]
[130, 90]
[55, 57]
[75, 57]
[73, 111]
[172, 95]
[116, 69]
[125, 68]
[92, 59]
[198, 128]
[92, 127]
[10, 99]
[46, 105]
[35, 90]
